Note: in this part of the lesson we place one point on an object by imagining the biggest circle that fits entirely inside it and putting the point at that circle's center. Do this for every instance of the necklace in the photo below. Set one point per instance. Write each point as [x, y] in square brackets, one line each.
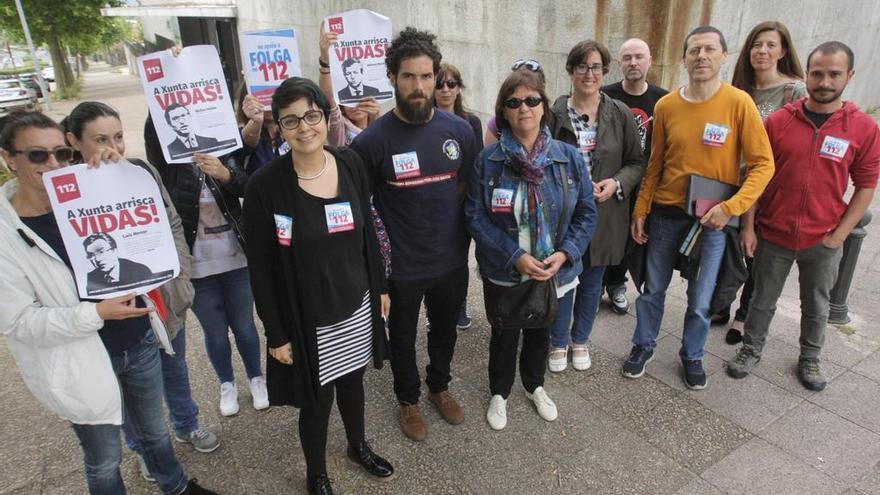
[313, 177]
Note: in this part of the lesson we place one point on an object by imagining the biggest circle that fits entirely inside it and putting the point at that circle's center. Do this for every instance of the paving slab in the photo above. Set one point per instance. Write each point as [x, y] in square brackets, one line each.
[870, 484]
[853, 397]
[869, 367]
[779, 366]
[666, 365]
[698, 486]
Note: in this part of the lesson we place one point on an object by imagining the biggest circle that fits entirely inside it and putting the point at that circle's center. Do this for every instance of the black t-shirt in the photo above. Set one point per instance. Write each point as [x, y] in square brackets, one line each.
[477, 126]
[416, 171]
[117, 335]
[817, 118]
[642, 107]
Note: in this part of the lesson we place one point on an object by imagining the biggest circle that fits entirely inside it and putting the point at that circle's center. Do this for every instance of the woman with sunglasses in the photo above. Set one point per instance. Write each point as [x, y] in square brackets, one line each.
[318, 279]
[606, 134]
[531, 218]
[521, 64]
[107, 349]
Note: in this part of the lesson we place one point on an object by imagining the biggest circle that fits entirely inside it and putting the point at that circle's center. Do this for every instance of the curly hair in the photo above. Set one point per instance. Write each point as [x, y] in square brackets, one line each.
[412, 43]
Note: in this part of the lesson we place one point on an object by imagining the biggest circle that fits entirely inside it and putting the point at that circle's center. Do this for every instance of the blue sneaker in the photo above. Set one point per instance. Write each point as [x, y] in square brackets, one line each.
[694, 375]
[464, 319]
[639, 357]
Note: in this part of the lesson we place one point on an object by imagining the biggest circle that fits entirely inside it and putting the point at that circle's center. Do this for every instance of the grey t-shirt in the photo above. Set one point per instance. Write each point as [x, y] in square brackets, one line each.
[772, 99]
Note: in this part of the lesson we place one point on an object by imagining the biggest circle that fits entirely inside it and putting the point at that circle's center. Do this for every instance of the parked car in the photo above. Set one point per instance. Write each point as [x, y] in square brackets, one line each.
[30, 82]
[14, 95]
[49, 73]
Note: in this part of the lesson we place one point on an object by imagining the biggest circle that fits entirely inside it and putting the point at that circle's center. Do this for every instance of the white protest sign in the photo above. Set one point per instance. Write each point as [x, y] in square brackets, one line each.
[115, 228]
[269, 57]
[357, 59]
[189, 104]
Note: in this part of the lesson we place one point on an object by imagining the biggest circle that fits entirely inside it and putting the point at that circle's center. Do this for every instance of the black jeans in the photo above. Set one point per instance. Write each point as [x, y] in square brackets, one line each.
[443, 297]
[532, 359]
[615, 276]
[314, 418]
[746, 297]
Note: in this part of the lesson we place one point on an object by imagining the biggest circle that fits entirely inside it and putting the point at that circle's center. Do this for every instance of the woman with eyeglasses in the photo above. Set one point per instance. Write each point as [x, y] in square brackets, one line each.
[318, 279]
[607, 137]
[521, 64]
[90, 362]
[531, 218]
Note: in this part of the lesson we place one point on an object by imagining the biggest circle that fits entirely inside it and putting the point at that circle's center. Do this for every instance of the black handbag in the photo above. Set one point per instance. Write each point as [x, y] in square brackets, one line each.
[531, 304]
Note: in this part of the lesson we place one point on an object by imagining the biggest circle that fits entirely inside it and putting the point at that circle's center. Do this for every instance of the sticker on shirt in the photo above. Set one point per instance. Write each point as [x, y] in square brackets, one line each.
[283, 148]
[587, 140]
[834, 148]
[406, 165]
[283, 229]
[339, 217]
[715, 135]
[451, 149]
[502, 200]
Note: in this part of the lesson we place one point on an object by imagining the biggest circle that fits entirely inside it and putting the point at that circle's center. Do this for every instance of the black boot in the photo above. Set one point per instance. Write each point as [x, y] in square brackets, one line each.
[193, 488]
[320, 485]
[363, 456]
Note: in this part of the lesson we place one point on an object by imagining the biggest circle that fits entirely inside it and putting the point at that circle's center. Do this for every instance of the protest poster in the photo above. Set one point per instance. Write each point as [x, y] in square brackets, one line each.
[189, 103]
[115, 228]
[357, 58]
[269, 57]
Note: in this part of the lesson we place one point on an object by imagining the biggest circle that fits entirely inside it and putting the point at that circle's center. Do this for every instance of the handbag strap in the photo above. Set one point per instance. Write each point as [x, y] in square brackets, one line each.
[563, 173]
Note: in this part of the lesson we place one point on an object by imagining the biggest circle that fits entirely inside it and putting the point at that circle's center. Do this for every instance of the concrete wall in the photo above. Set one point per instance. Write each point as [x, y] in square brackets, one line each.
[483, 37]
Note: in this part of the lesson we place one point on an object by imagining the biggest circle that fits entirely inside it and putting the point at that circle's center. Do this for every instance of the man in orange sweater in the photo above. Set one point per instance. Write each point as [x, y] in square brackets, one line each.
[704, 129]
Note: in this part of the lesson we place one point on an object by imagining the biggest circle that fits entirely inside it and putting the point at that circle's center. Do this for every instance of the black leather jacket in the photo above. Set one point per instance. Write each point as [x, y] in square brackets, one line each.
[184, 183]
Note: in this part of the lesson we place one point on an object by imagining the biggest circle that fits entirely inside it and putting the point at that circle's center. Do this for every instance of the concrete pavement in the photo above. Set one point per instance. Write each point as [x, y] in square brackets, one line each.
[763, 434]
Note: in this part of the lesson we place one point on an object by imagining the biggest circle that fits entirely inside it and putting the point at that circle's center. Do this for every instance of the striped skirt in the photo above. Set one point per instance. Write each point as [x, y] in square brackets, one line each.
[347, 345]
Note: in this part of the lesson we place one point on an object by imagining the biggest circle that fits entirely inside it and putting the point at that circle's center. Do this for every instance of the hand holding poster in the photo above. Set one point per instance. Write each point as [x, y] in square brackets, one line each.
[188, 103]
[357, 59]
[115, 228]
[269, 57]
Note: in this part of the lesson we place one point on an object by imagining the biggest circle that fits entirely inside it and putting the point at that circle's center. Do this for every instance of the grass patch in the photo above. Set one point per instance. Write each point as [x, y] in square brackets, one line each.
[847, 329]
[70, 92]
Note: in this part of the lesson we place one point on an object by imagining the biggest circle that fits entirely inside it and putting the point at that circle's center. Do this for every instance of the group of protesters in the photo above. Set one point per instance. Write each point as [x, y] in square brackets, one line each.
[351, 221]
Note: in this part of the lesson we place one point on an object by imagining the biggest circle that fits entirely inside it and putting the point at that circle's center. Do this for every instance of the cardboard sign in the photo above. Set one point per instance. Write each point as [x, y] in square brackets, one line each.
[357, 59]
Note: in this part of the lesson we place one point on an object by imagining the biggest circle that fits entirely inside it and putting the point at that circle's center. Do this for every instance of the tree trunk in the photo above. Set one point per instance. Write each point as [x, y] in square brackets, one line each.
[63, 74]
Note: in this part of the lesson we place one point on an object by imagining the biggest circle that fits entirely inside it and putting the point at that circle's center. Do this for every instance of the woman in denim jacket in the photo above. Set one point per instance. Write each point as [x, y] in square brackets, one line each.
[514, 211]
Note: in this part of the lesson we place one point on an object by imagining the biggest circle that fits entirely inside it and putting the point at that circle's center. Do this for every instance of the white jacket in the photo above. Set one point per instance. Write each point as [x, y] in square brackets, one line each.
[52, 335]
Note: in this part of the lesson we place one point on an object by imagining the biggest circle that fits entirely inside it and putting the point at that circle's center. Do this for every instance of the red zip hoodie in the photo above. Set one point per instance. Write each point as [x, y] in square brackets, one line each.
[804, 201]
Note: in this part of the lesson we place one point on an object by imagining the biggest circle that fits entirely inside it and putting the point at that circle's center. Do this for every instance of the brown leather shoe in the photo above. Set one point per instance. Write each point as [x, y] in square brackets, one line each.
[448, 407]
[412, 423]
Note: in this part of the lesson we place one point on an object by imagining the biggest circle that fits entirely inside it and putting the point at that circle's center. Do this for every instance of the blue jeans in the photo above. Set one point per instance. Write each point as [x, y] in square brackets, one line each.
[225, 301]
[182, 409]
[585, 299]
[139, 371]
[665, 237]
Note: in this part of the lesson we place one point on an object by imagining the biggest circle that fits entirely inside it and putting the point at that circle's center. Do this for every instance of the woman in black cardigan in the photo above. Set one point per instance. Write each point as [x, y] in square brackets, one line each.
[318, 279]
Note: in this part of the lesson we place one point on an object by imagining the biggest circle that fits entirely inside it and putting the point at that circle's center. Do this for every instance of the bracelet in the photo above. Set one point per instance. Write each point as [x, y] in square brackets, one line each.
[324, 70]
[326, 65]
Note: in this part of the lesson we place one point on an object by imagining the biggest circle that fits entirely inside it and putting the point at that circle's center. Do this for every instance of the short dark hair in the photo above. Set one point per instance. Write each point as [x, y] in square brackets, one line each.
[517, 78]
[20, 120]
[171, 107]
[832, 47]
[411, 43]
[297, 88]
[704, 30]
[582, 50]
[349, 62]
[99, 236]
[85, 113]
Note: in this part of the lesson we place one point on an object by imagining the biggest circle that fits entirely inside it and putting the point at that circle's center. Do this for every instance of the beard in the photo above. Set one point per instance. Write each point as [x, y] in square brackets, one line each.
[412, 111]
[633, 76]
[824, 95]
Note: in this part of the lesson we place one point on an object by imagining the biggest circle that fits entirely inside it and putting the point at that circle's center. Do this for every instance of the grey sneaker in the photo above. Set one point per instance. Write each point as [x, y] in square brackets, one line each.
[201, 440]
[617, 295]
[145, 471]
[810, 374]
[746, 359]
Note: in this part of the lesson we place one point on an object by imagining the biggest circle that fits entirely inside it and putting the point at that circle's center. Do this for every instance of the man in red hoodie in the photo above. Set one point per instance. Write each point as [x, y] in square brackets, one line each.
[819, 143]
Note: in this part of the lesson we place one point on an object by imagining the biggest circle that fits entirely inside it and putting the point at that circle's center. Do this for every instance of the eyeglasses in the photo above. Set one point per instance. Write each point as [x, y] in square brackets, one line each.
[291, 122]
[531, 101]
[449, 83]
[597, 69]
[532, 65]
[63, 154]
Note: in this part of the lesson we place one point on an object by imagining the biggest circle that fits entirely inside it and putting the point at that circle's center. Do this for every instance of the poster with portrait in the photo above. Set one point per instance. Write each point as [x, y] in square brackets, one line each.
[115, 228]
[189, 103]
[357, 59]
[269, 58]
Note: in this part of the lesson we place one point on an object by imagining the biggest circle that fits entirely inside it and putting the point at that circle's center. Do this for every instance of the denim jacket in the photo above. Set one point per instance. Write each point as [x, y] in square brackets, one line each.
[496, 234]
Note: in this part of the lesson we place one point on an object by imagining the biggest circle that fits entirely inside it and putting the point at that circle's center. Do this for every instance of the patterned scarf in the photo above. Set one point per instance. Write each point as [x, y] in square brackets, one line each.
[530, 166]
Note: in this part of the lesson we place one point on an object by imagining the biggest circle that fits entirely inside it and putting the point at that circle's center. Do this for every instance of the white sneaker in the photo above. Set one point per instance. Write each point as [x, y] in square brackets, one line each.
[580, 357]
[496, 415]
[546, 407]
[228, 399]
[259, 393]
[558, 359]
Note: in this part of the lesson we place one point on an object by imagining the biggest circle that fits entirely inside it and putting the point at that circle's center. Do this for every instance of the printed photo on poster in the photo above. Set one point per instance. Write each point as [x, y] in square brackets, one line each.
[357, 59]
[115, 228]
[269, 58]
[189, 104]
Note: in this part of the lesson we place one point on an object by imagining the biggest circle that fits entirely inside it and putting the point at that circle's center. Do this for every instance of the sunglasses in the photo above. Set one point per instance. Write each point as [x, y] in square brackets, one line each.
[530, 101]
[449, 83]
[530, 64]
[291, 122]
[62, 154]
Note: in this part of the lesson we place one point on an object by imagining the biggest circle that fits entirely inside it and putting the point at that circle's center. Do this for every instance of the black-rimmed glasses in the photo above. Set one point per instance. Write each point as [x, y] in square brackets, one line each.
[291, 122]
[596, 69]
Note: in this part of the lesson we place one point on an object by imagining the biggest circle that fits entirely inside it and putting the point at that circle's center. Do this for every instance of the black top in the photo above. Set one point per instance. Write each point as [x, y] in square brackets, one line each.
[330, 232]
[817, 118]
[642, 107]
[477, 126]
[416, 171]
[117, 335]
